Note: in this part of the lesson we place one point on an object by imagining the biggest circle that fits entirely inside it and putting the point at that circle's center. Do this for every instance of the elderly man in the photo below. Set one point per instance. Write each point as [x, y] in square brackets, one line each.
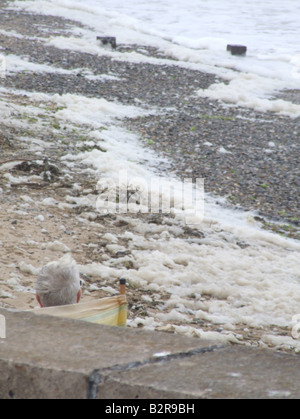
[59, 283]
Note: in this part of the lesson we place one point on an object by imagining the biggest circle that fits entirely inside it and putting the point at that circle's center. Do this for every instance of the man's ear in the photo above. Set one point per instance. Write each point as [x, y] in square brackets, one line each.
[79, 295]
[39, 300]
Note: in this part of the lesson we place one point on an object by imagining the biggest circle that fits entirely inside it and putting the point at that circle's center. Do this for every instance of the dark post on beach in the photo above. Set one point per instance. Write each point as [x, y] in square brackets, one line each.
[237, 49]
[108, 40]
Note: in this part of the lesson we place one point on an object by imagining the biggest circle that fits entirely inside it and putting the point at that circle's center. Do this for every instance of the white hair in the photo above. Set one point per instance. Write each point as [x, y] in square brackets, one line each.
[58, 283]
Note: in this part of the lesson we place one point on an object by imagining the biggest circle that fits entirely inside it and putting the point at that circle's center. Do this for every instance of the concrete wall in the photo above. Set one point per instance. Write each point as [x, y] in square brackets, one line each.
[46, 357]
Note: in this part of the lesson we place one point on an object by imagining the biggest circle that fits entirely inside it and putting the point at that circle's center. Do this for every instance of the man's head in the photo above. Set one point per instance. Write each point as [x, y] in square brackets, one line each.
[59, 283]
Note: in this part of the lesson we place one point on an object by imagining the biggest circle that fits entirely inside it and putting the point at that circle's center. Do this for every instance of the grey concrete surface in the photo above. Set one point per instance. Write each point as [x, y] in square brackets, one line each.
[233, 372]
[46, 357]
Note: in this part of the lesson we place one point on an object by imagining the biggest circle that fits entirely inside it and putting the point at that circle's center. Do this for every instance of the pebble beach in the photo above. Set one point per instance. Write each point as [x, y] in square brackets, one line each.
[248, 159]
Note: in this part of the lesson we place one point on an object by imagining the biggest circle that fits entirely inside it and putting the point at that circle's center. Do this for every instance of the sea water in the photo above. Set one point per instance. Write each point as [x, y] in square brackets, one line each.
[269, 29]
[197, 32]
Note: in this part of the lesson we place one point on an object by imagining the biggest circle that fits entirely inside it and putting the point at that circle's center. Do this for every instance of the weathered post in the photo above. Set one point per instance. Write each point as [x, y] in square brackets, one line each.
[237, 49]
[108, 40]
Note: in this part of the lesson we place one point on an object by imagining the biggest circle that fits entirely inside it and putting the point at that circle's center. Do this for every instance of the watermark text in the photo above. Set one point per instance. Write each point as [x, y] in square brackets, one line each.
[2, 327]
[296, 67]
[152, 196]
[296, 326]
[2, 66]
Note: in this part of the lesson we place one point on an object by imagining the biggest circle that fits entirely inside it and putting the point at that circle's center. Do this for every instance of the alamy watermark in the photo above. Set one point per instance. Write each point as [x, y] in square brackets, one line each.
[296, 326]
[153, 196]
[2, 66]
[2, 327]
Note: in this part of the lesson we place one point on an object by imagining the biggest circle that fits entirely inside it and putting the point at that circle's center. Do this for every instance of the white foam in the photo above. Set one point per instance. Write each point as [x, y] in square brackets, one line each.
[237, 273]
[252, 91]
[16, 64]
[92, 111]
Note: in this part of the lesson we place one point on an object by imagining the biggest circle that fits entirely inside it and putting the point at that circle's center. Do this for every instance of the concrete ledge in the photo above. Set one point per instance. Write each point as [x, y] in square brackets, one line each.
[47, 357]
[233, 372]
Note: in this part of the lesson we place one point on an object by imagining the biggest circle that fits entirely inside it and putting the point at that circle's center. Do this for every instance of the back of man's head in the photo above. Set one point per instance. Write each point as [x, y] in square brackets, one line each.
[58, 283]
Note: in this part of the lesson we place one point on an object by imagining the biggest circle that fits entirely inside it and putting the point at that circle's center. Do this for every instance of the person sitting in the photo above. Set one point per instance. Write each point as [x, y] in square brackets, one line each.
[59, 283]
